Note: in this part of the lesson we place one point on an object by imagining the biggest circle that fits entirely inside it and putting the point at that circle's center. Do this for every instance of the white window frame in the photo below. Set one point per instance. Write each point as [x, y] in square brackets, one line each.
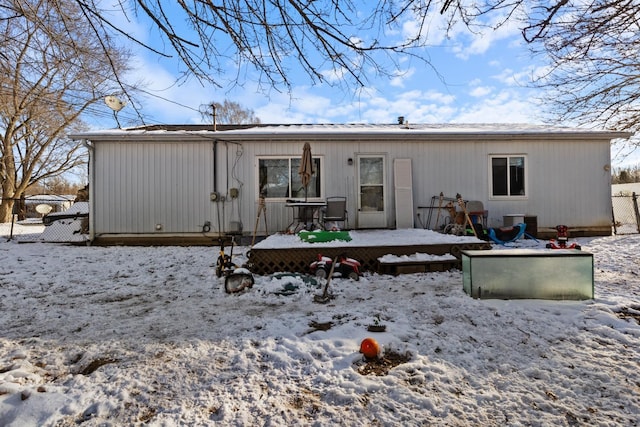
[290, 195]
[508, 196]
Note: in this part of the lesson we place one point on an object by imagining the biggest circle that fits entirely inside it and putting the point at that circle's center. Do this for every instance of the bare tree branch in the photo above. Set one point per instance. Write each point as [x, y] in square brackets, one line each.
[228, 112]
[594, 76]
[54, 73]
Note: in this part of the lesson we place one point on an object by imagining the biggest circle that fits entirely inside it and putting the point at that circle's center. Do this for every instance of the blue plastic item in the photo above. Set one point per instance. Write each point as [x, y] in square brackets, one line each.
[507, 234]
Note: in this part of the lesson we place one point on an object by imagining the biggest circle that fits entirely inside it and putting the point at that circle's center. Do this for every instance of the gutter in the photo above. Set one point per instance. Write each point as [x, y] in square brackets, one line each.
[370, 134]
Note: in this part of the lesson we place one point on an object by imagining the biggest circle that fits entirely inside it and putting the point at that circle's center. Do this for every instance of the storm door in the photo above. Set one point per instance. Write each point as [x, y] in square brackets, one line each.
[371, 191]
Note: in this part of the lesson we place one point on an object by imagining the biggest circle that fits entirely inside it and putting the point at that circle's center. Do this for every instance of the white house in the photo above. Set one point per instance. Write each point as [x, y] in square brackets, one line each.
[193, 182]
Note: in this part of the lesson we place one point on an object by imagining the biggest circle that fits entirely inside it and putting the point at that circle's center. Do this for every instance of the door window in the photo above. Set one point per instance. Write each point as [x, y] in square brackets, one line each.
[371, 184]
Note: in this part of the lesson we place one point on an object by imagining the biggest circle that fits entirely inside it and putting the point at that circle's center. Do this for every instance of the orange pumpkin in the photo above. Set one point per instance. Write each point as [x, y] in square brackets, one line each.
[370, 348]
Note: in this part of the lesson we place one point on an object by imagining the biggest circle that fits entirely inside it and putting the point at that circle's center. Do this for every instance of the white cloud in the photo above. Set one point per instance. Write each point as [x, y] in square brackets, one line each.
[305, 105]
[334, 75]
[480, 91]
[479, 42]
[327, 104]
[412, 93]
[310, 104]
[166, 101]
[440, 97]
[401, 76]
[524, 78]
[504, 107]
[434, 29]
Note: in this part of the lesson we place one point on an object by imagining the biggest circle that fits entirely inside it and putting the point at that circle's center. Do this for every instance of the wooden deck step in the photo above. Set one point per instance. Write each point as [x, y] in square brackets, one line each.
[417, 266]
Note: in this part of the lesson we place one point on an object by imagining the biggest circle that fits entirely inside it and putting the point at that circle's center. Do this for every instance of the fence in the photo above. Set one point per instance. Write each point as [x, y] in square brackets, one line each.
[43, 219]
[626, 217]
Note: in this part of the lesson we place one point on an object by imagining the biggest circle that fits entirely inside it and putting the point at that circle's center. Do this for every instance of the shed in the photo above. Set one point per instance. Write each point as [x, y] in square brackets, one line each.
[194, 183]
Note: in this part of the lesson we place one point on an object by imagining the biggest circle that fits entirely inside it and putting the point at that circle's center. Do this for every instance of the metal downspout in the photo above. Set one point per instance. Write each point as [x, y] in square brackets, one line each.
[92, 199]
[215, 165]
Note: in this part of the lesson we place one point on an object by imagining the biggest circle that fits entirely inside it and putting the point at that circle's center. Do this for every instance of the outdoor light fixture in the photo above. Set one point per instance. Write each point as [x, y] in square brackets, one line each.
[350, 161]
[158, 227]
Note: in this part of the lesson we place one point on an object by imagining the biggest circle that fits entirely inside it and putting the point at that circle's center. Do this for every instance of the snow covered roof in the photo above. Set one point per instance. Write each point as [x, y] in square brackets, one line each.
[49, 198]
[348, 131]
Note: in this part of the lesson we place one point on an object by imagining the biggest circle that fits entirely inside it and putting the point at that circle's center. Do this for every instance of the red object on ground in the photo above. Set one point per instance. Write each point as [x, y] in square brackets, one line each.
[370, 348]
[562, 239]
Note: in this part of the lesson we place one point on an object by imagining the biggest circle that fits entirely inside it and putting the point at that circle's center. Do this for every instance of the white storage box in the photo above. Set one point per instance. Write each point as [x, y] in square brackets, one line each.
[512, 219]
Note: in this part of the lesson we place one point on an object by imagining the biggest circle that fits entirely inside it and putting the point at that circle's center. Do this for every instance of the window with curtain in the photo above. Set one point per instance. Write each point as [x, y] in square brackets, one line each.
[278, 178]
[508, 176]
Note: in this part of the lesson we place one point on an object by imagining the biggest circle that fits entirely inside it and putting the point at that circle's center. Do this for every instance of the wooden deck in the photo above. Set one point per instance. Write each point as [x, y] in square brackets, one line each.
[296, 259]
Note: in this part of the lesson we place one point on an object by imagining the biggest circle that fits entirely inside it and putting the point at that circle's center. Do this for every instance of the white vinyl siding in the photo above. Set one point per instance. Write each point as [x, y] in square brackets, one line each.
[142, 180]
[142, 186]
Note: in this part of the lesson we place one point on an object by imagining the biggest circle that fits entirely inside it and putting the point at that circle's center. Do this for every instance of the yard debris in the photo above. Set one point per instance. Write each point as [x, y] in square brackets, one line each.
[97, 363]
[345, 266]
[381, 366]
[325, 297]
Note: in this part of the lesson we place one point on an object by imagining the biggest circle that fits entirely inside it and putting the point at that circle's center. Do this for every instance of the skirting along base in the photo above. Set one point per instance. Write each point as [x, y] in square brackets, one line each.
[409, 267]
[269, 261]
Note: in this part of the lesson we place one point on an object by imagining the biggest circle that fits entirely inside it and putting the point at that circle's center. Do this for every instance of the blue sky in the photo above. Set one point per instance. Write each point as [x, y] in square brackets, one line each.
[476, 77]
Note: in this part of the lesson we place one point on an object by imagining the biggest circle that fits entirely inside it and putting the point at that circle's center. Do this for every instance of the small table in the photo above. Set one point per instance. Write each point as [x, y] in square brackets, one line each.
[306, 215]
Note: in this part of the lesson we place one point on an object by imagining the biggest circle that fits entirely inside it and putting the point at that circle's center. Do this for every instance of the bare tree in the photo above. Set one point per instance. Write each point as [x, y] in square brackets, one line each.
[229, 112]
[50, 73]
[344, 38]
[590, 48]
[594, 75]
[348, 40]
[57, 185]
[591, 44]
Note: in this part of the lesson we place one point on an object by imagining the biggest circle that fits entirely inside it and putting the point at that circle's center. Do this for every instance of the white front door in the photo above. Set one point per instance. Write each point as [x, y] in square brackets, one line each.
[371, 191]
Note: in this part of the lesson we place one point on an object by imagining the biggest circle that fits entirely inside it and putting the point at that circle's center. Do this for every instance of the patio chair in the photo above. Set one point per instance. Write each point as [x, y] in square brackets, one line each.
[334, 212]
[477, 213]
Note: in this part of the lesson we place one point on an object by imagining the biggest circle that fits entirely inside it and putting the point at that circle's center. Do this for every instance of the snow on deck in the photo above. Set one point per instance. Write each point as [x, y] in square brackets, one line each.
[360, 238]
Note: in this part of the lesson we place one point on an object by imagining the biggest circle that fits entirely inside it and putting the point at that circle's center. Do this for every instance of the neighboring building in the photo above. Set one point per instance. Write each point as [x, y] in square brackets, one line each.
[39, 205]
[191, 182]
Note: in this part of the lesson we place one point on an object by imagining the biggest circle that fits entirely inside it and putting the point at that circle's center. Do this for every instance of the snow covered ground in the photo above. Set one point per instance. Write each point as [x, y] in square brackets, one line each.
[112, 336]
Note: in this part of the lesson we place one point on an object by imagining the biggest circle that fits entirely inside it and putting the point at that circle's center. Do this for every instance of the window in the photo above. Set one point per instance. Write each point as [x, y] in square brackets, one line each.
[278, 178]
[508, 176]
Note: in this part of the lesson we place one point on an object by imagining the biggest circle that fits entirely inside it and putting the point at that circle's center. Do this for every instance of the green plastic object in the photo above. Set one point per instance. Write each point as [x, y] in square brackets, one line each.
[324, 236]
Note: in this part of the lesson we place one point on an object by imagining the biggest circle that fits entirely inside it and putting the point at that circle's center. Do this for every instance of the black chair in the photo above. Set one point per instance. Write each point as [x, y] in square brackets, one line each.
[335, 211]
